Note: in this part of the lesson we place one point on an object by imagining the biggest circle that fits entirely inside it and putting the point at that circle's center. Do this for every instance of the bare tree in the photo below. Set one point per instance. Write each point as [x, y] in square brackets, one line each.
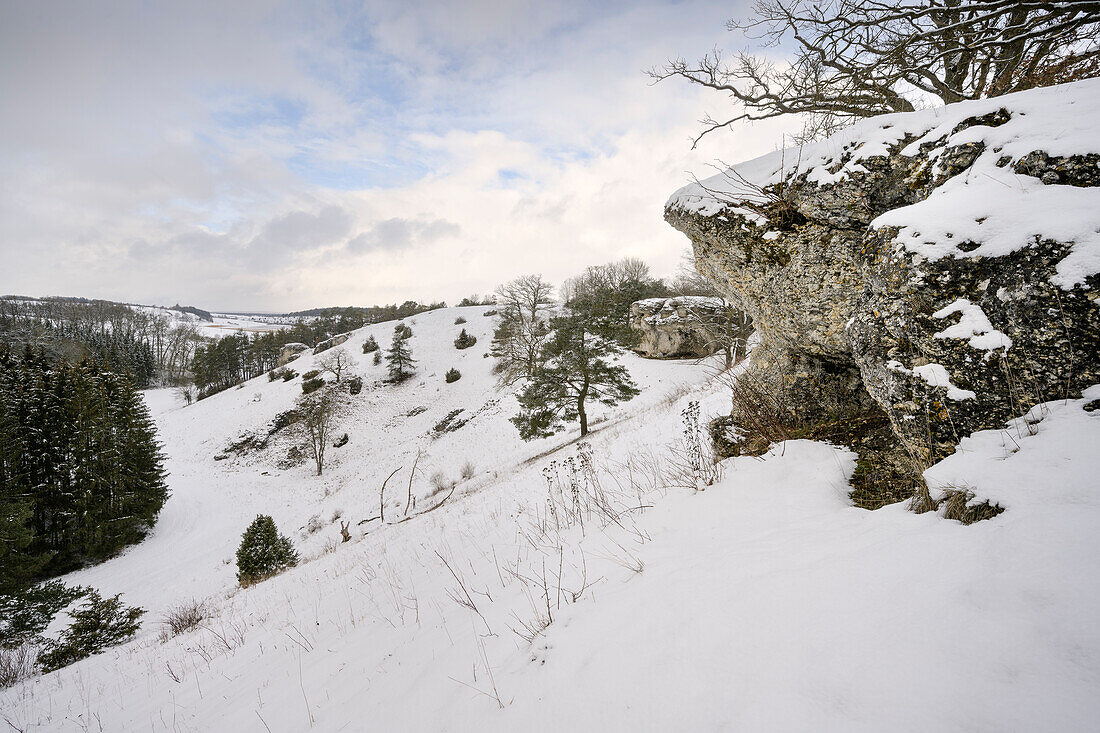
[335, 362]
[860, 58]
[525, 304]
[317, 412]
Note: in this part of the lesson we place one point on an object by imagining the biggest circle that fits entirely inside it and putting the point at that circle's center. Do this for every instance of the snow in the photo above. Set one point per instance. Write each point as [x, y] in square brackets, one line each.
[766, 602]
[997, 209]
[974, 326]
[934, 375]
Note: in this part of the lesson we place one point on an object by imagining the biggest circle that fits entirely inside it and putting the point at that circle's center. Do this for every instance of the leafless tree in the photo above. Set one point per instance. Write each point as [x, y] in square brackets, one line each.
[317, 413]
[860, 58]
[525, 304]
[336, 362]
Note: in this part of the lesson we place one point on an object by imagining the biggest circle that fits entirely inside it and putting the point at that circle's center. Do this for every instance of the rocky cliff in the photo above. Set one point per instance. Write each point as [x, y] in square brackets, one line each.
[932, 272]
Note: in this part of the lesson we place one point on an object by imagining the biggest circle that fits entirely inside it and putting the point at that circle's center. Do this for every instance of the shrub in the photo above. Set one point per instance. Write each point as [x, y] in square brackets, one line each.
[459, 321]
[273, 375]
[263, 552]
[311, 374]
[312, 385]
[17, 664]
[355, 385]
[467, 471]
[377, 358]
[465, 340]
[453, 375]
[403, 331]
[490, 312]
[370, 345]
[289, 374]
[97, 624]
[439, 482]
[184, 617]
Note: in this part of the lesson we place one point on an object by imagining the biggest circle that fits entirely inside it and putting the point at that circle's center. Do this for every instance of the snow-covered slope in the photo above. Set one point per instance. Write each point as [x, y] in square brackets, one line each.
[766, 602]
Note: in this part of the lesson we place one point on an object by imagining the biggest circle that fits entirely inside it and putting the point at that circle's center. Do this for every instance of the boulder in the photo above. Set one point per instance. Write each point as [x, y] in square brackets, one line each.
[937, 267]
[675, 328]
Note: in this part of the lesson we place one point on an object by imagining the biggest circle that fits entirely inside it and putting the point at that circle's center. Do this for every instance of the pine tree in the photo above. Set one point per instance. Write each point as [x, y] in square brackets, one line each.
[465, 340]
[263, 552]
[399, 358]
[575, 369]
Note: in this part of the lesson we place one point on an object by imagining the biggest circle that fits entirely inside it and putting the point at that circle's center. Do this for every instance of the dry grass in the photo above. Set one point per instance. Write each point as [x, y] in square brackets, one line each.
[955, 503]
[17, 664]
[184, 617]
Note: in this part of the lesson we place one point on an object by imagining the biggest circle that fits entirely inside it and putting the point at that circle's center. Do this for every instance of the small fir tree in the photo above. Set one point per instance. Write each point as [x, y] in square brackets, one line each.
[399, 359]
[453, 375]
[465, 340]
[263, 552]
[370, 345]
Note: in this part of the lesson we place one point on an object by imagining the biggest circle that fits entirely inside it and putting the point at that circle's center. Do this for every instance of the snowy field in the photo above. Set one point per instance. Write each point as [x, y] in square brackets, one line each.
[766, 602]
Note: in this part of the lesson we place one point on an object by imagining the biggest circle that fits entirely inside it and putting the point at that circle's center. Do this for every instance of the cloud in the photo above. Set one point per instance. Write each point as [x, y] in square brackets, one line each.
[337, 153]
[401, 234]
[298, 232]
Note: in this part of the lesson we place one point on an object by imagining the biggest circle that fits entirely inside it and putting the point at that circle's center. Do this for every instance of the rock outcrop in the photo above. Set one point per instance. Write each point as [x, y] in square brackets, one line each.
[938, 267]
[676, 328]
[331, 343]
[290, 352]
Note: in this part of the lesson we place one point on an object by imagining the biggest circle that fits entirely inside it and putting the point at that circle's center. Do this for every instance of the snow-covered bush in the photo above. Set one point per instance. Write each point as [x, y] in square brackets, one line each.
[312, 385]
[453, 375]
[459, 321]
[370, 345]
[263, 552]
[355, 385]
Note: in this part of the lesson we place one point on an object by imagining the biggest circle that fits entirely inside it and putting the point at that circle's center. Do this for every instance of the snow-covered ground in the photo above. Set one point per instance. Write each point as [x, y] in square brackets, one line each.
[766, 602]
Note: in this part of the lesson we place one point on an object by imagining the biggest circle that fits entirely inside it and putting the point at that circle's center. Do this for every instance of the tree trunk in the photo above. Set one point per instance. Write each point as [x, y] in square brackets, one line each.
[582, 415]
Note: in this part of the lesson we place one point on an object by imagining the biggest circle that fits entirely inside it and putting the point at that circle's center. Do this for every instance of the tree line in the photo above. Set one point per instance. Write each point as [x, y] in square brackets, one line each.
[81, 471]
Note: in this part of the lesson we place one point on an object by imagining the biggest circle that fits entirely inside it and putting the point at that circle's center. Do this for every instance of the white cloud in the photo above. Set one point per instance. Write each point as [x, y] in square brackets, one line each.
[243, 155]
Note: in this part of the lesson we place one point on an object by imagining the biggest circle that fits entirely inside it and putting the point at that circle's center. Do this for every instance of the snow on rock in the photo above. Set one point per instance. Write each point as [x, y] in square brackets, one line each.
[988, 211]
[934, 375]
[974, 326]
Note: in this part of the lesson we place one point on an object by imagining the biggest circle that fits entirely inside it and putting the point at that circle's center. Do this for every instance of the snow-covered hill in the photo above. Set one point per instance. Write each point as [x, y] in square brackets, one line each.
[573, 586]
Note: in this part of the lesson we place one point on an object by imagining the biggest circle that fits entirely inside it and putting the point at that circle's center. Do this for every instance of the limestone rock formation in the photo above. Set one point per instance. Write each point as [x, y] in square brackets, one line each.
[938, 268]
[330, 343]
[290, 352]
[672, 328]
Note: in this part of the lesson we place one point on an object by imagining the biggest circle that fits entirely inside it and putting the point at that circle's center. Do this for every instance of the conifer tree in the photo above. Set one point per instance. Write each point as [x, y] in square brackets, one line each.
[80, 467]
[575, 370]
[263, 552]
[399, 358]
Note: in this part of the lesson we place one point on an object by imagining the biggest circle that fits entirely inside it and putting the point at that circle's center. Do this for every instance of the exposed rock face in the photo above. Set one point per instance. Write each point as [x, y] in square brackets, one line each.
[290, 352]
[673, 328]
[939, 266]
[330, 343]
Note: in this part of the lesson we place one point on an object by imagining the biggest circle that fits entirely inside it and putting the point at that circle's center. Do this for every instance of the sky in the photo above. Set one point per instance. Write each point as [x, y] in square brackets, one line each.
[276, 156]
